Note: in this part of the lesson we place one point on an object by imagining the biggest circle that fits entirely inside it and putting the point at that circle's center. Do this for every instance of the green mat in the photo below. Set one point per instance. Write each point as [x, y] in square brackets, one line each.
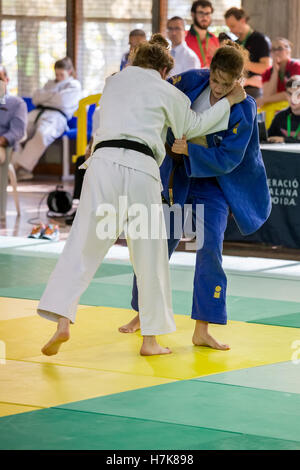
[71, 430]
[282, 377]
[215, 406]
[26, 277]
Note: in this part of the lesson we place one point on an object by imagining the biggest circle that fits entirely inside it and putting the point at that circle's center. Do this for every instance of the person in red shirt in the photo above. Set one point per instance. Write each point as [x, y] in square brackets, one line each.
[198, 38]
[276, 77]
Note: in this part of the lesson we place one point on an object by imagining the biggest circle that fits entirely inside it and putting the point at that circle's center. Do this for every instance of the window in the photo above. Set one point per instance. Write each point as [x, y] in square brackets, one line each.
[106, 28]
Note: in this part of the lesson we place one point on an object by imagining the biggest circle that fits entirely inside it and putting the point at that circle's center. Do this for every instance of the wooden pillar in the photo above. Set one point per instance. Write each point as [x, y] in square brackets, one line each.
[0, 31]
[74, 19]
[293, 26]
[159, 16]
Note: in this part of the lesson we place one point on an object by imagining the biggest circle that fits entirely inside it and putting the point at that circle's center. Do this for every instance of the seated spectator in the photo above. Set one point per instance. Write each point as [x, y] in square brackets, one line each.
[13, 117]
[276, 77]
[285, 126]
[136, 36]
[185, 58]
[258, 46]
[56, 103]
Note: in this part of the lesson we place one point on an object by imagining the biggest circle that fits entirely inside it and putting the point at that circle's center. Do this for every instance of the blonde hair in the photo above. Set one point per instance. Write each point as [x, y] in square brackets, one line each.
[230, 58]
[153, 54]
[286, 41]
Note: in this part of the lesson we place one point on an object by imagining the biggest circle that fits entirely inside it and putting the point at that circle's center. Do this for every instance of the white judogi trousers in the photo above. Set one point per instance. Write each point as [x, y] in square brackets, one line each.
[104, 182]
[50, 126]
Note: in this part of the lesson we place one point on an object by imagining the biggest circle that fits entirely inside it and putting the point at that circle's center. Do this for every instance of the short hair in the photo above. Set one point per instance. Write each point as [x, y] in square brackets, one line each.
[289, 43]
[290, 83]
[238, 13]
[201, 3]
[137, 32]
[224, 37]
[176, 18]
[153, 54]
[65, 64]
[230, 58]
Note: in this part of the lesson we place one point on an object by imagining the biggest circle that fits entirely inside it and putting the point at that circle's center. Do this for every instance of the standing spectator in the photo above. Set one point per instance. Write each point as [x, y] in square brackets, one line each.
[276, 77]
[56, 103]
[136, 36]
[185, 58]
[285, 126]
[13, 116]
[256, 43]
[198, 38]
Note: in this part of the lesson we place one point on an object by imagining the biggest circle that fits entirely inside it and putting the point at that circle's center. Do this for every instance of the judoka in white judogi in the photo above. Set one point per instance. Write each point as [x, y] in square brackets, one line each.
[136, 105]
[62, 95]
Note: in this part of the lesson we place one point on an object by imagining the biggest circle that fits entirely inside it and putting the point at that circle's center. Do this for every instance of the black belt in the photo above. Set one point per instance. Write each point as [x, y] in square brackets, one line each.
[48, 108]
[126, 144]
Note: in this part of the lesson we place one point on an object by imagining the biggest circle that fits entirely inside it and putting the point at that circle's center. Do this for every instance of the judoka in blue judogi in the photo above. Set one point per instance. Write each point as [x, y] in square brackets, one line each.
[226, 175]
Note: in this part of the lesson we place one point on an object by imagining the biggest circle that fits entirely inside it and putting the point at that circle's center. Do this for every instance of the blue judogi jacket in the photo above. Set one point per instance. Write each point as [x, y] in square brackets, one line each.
[233, 157]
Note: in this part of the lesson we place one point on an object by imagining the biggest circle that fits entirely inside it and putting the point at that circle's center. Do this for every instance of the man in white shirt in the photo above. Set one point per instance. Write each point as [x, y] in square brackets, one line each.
[185, 58]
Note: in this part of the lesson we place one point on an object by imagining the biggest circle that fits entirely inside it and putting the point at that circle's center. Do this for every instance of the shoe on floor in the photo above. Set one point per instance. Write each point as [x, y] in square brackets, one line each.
[24, 175]
[51, 233]
[2, 155]
[37, 231]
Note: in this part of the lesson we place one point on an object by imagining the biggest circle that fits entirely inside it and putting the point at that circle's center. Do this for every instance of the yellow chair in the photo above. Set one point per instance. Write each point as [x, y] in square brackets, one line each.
[271, 109]
[81, 114]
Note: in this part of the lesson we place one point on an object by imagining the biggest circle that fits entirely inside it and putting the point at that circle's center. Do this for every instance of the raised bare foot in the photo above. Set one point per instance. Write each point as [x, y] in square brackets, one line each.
[150, 347]
[132, 326]
[60, 336]
[209, 341]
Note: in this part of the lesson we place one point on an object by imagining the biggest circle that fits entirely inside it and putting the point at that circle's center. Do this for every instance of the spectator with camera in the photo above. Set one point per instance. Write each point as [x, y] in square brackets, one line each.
[285, 126]
[277, 76]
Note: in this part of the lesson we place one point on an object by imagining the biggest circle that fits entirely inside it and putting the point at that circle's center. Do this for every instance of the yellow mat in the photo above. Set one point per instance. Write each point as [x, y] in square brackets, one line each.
[45, 385]
[7, 409]
[98, 360]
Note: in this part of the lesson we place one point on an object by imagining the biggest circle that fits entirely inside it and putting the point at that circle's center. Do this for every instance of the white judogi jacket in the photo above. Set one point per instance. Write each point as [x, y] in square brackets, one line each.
[63, 95]
[125, 115]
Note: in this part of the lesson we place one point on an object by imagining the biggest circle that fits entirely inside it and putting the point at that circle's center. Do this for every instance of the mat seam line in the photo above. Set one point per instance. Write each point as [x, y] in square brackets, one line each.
[168, 422]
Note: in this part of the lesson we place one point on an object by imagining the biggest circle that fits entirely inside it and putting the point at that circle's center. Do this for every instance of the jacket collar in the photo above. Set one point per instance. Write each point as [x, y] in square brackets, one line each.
[193, 32]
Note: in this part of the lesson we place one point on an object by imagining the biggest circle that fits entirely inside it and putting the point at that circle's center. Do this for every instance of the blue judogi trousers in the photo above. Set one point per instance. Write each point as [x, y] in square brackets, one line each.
[210, 283]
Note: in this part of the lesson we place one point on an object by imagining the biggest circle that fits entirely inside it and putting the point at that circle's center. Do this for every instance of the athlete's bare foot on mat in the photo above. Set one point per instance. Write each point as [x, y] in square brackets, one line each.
[61, 335]
[132, 326]
[150, 347]
[201, 337]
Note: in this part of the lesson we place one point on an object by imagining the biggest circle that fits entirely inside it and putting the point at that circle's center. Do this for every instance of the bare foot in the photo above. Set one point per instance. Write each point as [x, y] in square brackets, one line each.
[150, 347]
[132, 326]
[208, 340]
[60, 336]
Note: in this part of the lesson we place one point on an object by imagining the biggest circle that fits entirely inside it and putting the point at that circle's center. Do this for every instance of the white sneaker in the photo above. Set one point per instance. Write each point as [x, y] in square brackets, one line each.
[2, 155]
[24, 175]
